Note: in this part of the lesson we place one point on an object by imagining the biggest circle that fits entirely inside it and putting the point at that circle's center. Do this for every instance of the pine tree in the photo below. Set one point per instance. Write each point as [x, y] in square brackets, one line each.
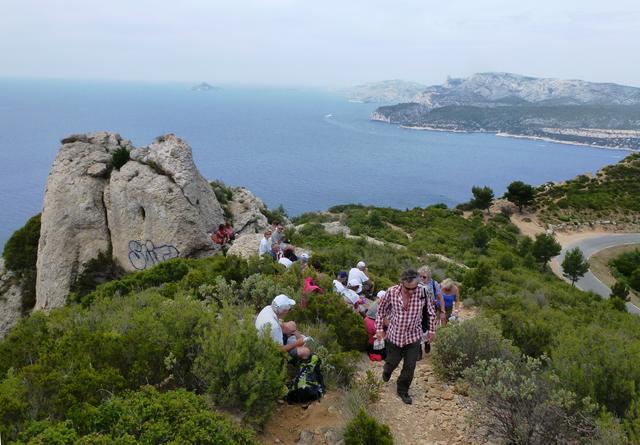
[574, 265]
[520, 194]
[544, 248]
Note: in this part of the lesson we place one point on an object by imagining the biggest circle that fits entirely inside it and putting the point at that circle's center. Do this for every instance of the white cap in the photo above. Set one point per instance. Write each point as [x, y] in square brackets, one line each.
[361, 265]
[283, 302]
[381, 294]
[304, 256]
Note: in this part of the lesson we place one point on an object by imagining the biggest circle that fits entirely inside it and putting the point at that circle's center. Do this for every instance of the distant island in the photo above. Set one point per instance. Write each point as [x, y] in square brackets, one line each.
[204, 86]
[569, 111]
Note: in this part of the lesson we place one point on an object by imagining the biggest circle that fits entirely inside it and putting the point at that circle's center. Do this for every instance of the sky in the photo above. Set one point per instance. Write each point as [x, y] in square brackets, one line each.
[328, 43]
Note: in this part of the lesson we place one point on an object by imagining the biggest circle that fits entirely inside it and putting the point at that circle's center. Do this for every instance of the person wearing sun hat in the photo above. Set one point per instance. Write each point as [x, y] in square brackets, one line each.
[269, 318]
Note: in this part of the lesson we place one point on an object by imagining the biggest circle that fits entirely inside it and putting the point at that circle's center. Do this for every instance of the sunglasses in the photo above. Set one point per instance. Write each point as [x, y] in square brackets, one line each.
[410, 288]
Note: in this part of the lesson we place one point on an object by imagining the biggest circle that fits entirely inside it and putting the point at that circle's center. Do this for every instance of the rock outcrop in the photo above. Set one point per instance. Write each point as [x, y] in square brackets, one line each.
[245, 246]
[155, 207]
[10, 299]
[247, 209]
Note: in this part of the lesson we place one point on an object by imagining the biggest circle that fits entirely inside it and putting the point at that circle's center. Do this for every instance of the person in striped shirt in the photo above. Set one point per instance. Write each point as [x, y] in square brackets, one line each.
[402, 305]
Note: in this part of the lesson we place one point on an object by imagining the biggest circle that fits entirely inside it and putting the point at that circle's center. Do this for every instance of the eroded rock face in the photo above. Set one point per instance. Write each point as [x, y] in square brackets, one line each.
[247, 209]
[74, 221]
[10, 300]
[156, 207]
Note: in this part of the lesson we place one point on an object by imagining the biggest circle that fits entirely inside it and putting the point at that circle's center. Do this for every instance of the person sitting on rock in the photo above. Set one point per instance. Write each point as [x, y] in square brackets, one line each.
[340, 283]
[290, 253]
[231, 234]
[276, 252]
[265, 243]
[304, 260]
[286, 262]
[278, 235]
[220, 235]
[269, 319]
[360, 273]
[291, 335]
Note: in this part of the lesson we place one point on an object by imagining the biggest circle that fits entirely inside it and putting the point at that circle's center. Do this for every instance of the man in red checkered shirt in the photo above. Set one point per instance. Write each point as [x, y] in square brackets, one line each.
[402, 305]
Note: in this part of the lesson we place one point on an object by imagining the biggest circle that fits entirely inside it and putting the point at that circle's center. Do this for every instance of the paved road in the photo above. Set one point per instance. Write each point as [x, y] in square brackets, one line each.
[590, 246]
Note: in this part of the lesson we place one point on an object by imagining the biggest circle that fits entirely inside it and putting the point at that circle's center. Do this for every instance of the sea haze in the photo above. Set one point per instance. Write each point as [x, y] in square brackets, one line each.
[305, 149]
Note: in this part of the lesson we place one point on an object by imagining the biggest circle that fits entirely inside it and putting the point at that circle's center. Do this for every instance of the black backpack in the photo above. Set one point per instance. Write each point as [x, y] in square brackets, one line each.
[308, 384]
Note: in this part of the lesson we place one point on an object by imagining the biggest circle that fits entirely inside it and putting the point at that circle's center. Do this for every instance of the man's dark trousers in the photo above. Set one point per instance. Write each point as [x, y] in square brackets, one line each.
[410, 354]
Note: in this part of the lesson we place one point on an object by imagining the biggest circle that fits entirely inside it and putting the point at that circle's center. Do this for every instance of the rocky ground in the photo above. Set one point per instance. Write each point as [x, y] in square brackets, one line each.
[438, 416]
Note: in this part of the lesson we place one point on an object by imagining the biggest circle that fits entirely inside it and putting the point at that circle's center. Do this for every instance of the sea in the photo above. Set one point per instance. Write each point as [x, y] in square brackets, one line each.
[307, 149]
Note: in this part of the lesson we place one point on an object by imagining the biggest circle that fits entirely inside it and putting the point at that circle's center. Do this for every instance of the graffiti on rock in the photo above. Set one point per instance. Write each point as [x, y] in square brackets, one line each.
[144, 256]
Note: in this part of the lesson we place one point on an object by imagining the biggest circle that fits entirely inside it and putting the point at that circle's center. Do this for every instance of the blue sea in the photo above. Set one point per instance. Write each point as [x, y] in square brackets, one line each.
[304, 148]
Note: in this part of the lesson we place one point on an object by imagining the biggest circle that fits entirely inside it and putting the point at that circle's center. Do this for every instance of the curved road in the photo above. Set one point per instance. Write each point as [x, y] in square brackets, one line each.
[590, 246]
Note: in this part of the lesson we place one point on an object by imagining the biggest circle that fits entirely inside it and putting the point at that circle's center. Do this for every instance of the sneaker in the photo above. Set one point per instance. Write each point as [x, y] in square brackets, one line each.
[406, 398]
[385, 376]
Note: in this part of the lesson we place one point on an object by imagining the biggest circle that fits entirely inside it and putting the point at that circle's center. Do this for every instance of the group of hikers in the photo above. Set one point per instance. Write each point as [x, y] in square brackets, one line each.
[279, 248]
[399, 321]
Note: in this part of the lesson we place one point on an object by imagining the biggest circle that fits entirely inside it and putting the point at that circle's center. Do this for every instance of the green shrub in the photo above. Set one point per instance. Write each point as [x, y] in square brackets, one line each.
[223, 194]
[99, 270]
[164, 272]
[478, 277]
[20, 256]
[506, 261]
[331, 309]
[362, 393]
[595, 362]
[21, 250]
[119, 158]
[146, 416]
[338, 367]
[239, 369]
[259, 290]
[461, 345]
[365, 430]
[521, 403]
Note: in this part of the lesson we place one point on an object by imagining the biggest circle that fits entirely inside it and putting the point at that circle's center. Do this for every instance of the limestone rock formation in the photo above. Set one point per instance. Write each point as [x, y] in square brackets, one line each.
[10, 300]
[247, 209]
[156, 207]
[246, 245]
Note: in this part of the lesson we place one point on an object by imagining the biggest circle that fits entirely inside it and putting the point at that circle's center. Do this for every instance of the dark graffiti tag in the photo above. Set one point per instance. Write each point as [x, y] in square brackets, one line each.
[148, 255]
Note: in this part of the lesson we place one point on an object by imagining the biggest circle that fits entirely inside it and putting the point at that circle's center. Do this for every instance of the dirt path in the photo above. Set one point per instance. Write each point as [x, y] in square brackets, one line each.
[438, 415]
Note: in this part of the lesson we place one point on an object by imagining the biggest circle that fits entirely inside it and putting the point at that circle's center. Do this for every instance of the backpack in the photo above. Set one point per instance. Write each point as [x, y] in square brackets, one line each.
[426, 317]
[308, 384]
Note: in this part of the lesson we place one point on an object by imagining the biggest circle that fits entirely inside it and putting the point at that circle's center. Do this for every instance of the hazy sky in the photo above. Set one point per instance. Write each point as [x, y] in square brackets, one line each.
[322, 42]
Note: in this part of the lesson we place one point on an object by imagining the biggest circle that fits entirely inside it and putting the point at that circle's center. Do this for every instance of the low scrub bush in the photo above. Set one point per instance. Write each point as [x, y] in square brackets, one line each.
[521, 403]
[462, 345]
[338, 367]
[239, 369]
[594, 362]
[145, 416]
[119, 158]
[365, 430]
[329, 308]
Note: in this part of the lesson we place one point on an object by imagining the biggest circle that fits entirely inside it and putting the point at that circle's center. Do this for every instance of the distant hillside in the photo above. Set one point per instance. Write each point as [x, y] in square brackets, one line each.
[506, 89]
[612, 197]
[571, 111]
[384, 92]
